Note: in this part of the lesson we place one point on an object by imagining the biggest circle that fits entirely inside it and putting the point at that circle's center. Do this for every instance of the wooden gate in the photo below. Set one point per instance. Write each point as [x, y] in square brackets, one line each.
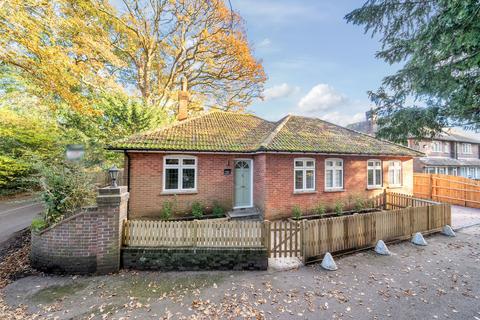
[284, 238]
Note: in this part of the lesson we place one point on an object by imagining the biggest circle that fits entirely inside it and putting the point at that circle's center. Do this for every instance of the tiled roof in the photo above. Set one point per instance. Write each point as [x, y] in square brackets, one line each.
[234, 132]
[431, 161]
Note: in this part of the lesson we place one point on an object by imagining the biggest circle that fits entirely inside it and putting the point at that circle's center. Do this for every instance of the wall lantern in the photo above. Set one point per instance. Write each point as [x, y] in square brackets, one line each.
[113, 172]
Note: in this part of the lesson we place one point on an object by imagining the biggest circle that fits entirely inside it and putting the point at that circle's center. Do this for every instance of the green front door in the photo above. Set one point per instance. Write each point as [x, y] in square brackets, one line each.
[243, 183]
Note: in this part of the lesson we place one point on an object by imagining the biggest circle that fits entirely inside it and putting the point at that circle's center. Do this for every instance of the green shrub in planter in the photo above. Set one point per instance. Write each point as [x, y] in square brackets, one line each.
[359, 204]
[338, 208]
[66, 187]
[218, 210]
[197, 210]
[296, 213]
[167, 210]
[320, 210]
[38, 224]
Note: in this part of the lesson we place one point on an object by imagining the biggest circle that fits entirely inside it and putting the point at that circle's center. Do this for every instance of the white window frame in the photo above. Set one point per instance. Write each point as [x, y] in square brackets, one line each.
[436, 146]
[334, 168]
[375, 167]
[303, 168]
[446, 147]
[394, 166]
[467, 148]
[180, 166]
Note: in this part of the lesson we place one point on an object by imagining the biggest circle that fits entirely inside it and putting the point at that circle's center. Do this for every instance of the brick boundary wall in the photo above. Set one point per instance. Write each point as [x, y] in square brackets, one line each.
[88, 242]
[194, 259]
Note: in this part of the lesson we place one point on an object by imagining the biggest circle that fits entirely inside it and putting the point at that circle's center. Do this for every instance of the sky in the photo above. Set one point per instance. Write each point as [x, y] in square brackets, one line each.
[317, 64]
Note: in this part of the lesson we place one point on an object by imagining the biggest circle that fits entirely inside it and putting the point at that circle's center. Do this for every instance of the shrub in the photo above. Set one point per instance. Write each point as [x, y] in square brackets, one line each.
[370, 203]
[38, 224]
[320, 210]
[218, 210]
[338, 208]
[167, 210]
[359, 204]
[296, 213]
[197, 210]
[65, 188]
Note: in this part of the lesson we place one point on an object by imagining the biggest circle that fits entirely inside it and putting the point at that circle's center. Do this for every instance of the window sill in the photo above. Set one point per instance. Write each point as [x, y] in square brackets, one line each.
[304, 191]
[394, 187]
[334, 190]
[173, 192]
[374, 188]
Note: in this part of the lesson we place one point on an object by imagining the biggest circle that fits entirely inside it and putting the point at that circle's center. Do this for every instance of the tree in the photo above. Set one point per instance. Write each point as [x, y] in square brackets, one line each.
[74, 52]
[163, 41]
[24, 139]
[438, 44]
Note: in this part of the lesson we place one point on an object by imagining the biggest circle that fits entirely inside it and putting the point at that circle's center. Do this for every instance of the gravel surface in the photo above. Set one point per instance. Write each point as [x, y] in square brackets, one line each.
[439, 281]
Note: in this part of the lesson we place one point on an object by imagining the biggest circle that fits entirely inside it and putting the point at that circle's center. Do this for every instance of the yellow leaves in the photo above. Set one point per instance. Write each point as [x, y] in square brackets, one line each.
[56, 46]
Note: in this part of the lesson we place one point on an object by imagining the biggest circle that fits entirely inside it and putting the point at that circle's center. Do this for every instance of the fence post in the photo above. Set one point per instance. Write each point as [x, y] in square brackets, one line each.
[430, 186]
[303, 247]
[195, 230]
[266, 235]
[384, 199]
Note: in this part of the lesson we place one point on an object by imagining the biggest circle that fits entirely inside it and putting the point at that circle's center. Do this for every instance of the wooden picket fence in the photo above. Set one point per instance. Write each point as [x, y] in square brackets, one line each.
[198, 233]
[310, 239]
[364, 230]
[450, 189]
[306, 239]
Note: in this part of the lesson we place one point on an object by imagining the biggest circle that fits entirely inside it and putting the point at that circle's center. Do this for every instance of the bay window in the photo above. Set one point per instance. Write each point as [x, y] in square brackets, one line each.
[304, 170]
[179, 173]
[333, 174]
[374, 174]
[395, 173]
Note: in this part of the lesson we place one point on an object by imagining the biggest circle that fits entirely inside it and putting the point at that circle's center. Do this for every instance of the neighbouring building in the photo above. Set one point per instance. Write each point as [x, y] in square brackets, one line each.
[241, 161]
[449, 153]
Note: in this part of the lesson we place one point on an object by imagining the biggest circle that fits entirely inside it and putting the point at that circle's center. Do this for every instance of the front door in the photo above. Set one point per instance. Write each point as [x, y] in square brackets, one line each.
[243, 183]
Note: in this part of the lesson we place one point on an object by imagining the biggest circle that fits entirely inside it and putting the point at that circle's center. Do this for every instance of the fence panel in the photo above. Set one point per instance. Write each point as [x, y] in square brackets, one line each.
[364, 230]
[450, 189]
[202, 233]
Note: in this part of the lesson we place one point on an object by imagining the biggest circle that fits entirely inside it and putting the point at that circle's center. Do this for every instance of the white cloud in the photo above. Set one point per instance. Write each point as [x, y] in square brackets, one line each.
[280, 91]
[322, 97]
[264, 43]
[325, 102]
[343, 119]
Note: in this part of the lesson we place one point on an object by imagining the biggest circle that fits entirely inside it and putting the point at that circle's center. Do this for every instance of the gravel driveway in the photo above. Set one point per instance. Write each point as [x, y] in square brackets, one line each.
[440, 281]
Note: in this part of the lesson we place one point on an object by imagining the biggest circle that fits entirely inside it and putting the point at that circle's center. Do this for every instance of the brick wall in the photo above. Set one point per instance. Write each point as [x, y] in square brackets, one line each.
[87, 242]
[272, 183]
[146, 184]
[280, 196]
[182, 259]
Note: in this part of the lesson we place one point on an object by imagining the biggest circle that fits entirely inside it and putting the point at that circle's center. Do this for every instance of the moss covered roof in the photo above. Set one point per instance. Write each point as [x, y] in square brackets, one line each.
[233, 132]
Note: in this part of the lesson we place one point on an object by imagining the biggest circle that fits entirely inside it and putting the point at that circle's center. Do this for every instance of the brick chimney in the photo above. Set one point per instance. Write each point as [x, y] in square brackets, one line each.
[183, 97]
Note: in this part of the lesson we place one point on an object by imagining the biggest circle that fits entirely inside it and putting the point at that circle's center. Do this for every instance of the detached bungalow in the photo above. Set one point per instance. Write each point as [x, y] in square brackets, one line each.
[243, 161]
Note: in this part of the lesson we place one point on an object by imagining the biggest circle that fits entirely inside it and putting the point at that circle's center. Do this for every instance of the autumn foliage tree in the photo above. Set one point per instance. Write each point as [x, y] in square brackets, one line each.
[72, 51]
[163, 41]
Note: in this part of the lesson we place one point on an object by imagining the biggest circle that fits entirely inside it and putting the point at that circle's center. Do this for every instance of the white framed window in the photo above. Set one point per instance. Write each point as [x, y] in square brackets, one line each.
[463, 172]
[441, 170]
[333, 174]
[446, 147]
[467, 148]
[436, 146]
[179, 173]
[304, 174]
[395, 173]
[374, 173]
[430, 170]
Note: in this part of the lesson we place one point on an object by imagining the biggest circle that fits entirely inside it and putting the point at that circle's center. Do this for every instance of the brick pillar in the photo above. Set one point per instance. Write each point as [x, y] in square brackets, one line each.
[111, 212]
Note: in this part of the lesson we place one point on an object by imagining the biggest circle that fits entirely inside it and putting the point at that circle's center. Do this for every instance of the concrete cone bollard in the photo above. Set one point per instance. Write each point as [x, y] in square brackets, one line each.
[328, 263]
[419, 240]
[381, 248]
[448, 231]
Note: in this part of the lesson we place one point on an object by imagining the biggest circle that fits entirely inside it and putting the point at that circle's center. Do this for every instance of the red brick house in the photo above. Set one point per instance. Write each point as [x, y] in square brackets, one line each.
[240, 160]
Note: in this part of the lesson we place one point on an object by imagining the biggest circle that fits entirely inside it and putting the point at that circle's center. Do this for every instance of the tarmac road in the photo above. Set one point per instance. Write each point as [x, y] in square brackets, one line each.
[17, 214]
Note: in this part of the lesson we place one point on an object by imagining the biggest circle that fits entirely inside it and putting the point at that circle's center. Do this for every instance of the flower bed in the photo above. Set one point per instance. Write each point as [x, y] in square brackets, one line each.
[333, 214]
